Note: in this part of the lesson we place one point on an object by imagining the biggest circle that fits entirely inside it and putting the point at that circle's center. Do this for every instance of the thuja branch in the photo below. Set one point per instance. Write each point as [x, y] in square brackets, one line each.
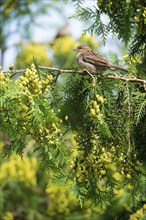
[43, 68]
[115, 76]
[60, 71]
[133, 79]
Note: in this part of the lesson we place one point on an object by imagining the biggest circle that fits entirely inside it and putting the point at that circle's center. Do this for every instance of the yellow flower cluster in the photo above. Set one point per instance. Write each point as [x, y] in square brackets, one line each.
[21, 170]
[126, 170]
[139, 214]
[102, 163]
[88, 40]
[63, 46]
[8, 216]
[33, 51]
[95, 107]
[49, 133]
[4, 78]
[61, 205]
[33, 84]
[94, 164]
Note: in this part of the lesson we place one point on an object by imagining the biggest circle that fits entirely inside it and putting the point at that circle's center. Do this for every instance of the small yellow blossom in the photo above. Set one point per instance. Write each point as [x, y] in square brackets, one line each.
[66, 117]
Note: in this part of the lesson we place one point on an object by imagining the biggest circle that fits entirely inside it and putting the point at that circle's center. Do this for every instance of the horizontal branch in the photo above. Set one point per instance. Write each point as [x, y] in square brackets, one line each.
[134, 79]
[14, 72]
[60, 71]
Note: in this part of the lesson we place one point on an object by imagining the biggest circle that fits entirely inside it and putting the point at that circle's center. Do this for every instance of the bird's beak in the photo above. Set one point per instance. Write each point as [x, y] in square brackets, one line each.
[74, 49]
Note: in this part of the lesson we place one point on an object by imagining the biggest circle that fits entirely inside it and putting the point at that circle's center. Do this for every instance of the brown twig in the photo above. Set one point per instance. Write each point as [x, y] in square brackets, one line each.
[58, 70]
[133, 79]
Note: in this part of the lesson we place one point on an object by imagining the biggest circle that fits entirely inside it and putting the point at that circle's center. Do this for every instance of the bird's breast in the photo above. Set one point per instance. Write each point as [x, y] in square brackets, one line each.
[88, 66]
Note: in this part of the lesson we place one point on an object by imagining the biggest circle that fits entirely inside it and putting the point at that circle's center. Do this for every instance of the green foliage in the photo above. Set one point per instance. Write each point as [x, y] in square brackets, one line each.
[103, 161]
[139, 105]
[103, 170]
[85, 14]
[26, 111]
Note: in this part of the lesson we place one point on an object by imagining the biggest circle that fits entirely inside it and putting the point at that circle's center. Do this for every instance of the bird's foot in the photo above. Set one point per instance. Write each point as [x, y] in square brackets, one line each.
[94, 79]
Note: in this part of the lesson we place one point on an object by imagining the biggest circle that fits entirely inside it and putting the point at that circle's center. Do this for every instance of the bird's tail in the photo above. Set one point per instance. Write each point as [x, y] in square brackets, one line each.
[115, 67]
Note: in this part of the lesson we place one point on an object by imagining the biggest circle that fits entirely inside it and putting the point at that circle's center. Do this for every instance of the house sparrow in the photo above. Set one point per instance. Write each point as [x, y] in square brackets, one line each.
[93, 62]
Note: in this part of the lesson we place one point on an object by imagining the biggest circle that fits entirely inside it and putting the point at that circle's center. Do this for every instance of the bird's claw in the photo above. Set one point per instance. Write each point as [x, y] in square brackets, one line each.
[94, 79]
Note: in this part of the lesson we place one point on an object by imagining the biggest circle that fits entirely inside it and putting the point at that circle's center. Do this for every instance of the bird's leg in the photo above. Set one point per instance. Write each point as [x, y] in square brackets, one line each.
[94, 80]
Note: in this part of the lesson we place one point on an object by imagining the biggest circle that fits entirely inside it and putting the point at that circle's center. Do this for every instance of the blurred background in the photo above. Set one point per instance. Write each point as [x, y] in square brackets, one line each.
[28, 23]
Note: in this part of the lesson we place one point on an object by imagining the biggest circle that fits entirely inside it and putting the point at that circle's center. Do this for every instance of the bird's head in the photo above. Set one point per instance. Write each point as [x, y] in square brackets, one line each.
[82, 48]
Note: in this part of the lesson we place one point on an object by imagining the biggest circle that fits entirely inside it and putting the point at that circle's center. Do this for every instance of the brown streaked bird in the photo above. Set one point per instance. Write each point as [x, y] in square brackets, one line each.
[94, 62]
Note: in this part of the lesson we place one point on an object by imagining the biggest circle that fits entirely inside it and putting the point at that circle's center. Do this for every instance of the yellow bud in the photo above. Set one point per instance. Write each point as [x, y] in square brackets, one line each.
[66, 117]
[97, 109]
[94, 104]
[128, 176]
[11, 67]
[93, 85]
[33, 66]
[92, 112]
[81, 179]
[46, 91]
[103, 172]
[2, 77]
[21, 78]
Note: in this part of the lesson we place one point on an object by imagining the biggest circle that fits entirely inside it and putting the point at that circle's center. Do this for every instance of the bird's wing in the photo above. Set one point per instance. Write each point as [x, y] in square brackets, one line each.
[95, 59]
